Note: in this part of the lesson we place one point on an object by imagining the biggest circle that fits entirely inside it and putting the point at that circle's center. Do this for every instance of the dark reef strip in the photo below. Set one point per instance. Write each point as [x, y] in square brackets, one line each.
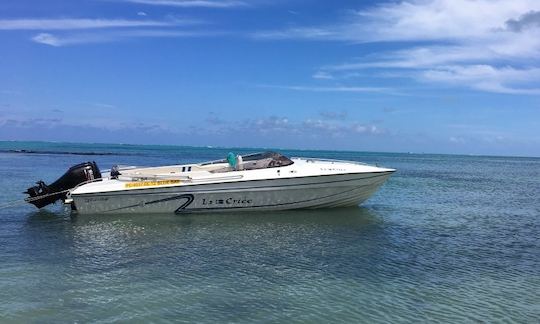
[62, 152]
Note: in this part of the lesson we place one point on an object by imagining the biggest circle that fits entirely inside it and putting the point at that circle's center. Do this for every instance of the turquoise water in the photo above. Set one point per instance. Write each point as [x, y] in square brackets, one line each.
[447, 238]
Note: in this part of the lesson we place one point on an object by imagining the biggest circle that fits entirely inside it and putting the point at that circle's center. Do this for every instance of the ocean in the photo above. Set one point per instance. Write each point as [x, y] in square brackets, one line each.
[448, 238]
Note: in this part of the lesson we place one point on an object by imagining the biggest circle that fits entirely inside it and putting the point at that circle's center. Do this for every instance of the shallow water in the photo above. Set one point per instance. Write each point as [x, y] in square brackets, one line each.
[447, 238]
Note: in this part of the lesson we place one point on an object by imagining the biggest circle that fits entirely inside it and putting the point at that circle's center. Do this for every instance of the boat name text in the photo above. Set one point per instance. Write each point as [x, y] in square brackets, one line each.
[228, 201]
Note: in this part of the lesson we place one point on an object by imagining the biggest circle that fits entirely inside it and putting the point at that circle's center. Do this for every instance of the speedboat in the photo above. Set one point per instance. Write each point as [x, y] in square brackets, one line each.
[260, 181]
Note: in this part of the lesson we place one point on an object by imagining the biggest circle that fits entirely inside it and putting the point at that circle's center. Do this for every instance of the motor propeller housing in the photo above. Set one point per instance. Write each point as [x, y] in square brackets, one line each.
[42, 194]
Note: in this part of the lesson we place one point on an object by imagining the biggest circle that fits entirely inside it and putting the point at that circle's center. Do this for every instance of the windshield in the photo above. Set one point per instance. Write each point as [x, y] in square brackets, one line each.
[256, 161]
[265, 160]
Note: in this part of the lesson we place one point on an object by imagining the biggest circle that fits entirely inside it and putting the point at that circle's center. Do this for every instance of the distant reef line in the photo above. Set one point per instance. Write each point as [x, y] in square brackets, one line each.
[60, 152]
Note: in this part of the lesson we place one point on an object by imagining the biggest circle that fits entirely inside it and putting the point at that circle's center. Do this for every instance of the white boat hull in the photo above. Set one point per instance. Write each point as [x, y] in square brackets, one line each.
[336, 190]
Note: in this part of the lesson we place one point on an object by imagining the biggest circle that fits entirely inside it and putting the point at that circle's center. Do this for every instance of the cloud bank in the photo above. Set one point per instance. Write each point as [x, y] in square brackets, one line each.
[491, 46]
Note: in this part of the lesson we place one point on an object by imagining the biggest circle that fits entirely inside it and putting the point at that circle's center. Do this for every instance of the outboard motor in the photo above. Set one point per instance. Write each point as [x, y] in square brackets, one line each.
[77, 174]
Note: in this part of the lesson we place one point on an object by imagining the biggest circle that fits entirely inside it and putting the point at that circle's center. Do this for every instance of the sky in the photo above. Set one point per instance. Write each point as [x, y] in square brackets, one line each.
[432, 76]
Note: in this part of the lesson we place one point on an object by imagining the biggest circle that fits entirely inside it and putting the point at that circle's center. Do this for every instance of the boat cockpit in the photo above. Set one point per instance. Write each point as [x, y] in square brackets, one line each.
[232, 163]
[254, 161]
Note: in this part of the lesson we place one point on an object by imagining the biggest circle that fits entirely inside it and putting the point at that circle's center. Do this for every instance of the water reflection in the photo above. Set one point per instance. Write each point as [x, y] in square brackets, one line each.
[208, 243]
[337, 216]
[42, 215]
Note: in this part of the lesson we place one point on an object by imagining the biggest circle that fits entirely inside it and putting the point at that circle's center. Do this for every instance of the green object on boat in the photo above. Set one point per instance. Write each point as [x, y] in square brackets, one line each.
[231, 158]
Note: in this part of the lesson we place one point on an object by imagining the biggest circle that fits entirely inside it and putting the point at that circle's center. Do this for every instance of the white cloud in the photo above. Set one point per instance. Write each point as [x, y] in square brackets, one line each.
[142, 13]
[486, 45]
[322, 75]
[485, 67]
[58, 128]
[457, 139]
[70, 31]
[116, 35]
[328, 89]
[416, 20]
[487, 78]
[309, 33]
[442, 19]
[418, 57]
[48, 39]
[192, 3]
[334, 115]
[506, 47]
[309, 127]
[103, 105]
[367, 129]
[84, 23]
[72, 39]
[339, 128]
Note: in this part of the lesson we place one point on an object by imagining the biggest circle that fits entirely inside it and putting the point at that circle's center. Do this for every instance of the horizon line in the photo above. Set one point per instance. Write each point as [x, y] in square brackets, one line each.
[269, 148]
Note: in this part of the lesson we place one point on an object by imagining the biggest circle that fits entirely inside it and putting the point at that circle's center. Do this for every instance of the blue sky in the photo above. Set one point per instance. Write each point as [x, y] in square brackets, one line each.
[440, 76]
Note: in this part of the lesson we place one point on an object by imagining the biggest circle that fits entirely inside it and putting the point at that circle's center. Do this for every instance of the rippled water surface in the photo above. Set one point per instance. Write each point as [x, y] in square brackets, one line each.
[447, 238]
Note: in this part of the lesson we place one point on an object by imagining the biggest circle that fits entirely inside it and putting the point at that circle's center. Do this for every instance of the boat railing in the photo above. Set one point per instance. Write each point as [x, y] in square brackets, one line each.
[200, 179]
[188, 178]
[329, 160]
[139, 176]
[122, 168]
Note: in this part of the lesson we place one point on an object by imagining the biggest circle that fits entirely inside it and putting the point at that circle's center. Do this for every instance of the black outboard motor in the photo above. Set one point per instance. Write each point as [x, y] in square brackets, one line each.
[77, 174]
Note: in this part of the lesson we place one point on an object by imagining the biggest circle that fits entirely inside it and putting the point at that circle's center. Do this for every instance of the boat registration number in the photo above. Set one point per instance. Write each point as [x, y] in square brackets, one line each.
[151, 183]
